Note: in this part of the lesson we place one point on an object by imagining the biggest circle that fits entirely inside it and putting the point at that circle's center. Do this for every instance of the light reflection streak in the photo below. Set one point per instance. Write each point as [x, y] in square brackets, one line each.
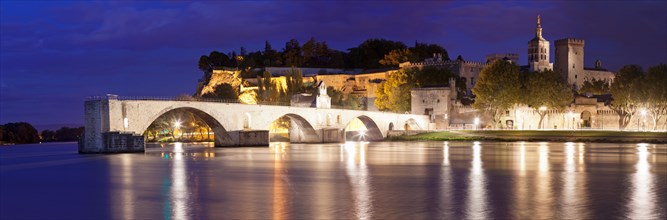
[127, 193]
[446, 184]
[359, 179]
[476, 201]
[279, 189]
[569, 194]
[521, 187]
[522, 159]
[179, 189]
[642, 202]
[543, 194]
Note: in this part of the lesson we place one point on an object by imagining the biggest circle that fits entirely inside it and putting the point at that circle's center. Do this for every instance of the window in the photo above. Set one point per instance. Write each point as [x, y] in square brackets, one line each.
[471, 69]
[472, 80]
[575, 76]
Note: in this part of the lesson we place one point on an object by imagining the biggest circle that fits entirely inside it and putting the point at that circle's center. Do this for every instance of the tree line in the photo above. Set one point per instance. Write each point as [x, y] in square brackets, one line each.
[25, 133]
[501, 86]
[317, 54]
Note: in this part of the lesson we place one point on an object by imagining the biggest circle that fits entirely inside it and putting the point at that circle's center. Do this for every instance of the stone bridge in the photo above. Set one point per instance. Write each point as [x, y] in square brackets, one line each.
[118, 125]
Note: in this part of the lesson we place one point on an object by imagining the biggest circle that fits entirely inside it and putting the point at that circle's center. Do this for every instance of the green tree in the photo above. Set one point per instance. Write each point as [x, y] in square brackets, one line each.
[595, 87]
[546, 89]
[497, 89]
[626, 91]
[655, 95]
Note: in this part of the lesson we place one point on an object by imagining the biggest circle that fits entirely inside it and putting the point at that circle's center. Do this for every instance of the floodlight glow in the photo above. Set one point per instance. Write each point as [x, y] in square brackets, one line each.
[177, 124]
[476, 121]
[543, 108]
[643, 112]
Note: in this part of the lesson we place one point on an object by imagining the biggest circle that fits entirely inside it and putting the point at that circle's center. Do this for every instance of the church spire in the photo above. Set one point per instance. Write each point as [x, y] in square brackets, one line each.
[538, 30]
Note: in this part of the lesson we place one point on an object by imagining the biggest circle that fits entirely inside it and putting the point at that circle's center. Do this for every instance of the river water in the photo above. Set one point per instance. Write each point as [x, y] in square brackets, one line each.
[385, 180]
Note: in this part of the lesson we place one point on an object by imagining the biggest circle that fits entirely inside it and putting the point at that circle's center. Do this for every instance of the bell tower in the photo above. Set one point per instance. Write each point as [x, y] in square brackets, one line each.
[538, 50]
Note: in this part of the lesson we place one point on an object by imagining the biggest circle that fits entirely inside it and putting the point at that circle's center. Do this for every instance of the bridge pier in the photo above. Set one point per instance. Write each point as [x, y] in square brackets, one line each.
[244, 138]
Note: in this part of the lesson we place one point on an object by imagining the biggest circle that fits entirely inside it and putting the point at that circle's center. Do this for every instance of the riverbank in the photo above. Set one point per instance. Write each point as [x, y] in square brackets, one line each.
[535, 135]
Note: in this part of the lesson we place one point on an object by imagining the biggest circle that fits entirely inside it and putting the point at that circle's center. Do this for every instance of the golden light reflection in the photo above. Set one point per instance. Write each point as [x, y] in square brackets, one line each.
[522, 197]
[280, 200]
[543, 194]
[476, 201]
[179, 189]
[355, 160]
[581, 153]
[522, 159]
[642, 201]
[569, 194]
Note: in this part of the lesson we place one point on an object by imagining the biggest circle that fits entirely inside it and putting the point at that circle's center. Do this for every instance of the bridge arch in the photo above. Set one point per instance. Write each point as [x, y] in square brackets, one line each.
[372, 132]
[300, 130]
[411, 124]
[220, 135]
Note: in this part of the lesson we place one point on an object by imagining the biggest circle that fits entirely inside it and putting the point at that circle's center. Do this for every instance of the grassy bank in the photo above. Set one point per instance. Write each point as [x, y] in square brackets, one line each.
[535, 135]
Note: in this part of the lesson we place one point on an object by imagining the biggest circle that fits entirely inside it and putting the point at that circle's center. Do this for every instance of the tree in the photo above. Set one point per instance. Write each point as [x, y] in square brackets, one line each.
[48, 135]
[223, 91]
[626, 92]
[546, 89]
[655, 95]
[497, 89]
[394, 93]
[422, 51]
[68, 134]
[368, 54]
[595, 87]
[395, 57]
[292, 53]
[19, 133]
[294, 80]
[268, 90]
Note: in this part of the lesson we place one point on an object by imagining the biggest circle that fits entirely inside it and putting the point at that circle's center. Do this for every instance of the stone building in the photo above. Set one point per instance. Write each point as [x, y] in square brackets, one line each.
[436, 102]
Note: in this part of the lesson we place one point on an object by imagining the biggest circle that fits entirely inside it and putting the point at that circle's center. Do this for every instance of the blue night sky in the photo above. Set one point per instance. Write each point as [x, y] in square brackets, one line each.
[54, 54]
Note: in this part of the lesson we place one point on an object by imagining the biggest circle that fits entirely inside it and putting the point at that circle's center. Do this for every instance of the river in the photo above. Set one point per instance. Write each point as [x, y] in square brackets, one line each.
[383, 180]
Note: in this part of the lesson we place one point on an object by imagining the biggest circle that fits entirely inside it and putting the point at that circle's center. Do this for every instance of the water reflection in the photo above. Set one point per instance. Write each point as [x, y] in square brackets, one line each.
[126, 196]
[280, 191]
[179, 188]
[476, 200]
[446, 185]
[642, 201]
[456, 180]
[357, 172]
